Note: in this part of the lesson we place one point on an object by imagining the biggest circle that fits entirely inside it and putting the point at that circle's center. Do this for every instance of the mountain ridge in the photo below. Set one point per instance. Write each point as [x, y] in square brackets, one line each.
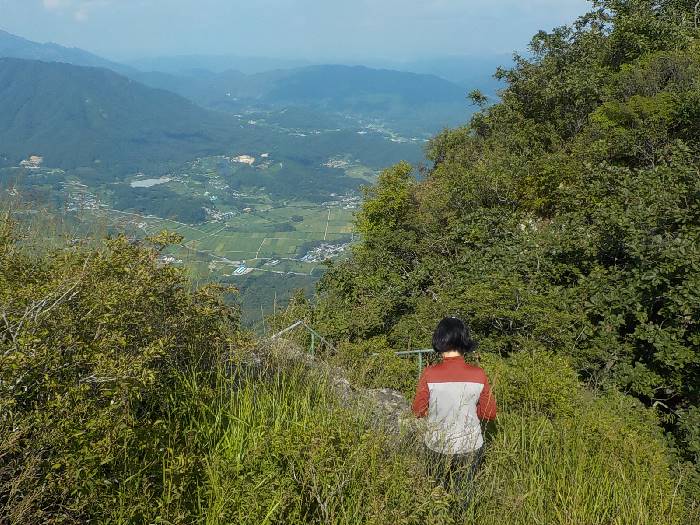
[414, 103]
[82, 116]
[14, 46]
[410, 102]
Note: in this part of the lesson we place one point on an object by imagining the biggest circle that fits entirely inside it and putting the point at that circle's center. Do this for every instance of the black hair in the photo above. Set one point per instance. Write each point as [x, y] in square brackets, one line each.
[452, 334]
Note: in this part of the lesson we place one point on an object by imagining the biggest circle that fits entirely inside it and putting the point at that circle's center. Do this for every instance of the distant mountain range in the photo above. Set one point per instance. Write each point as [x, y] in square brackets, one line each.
[467, 71]
[186, 64]
[12, 46]
[471, 72]
[411, 103]
[84, 117]
[78, 116]
[80, 110]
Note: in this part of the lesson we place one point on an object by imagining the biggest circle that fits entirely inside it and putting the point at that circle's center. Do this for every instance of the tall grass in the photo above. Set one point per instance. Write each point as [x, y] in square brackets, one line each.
[279, 447]
[555, 472]
[564, 455]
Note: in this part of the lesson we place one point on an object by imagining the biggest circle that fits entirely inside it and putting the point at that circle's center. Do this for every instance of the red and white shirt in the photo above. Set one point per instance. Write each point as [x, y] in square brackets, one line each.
[454, 396]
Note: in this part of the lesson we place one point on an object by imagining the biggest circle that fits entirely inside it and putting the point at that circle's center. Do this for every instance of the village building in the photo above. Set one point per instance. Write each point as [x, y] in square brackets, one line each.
[33, 162]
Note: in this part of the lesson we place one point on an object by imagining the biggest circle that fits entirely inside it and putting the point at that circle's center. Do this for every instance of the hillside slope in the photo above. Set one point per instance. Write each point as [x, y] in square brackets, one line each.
[565, 218]
[76, 116]
[412, 103]
[173, 414]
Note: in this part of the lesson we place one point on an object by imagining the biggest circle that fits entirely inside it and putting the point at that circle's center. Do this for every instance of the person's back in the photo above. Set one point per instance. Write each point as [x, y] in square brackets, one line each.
[454, 397]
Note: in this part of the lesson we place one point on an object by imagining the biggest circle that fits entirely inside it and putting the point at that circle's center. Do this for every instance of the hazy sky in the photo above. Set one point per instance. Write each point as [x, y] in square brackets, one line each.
[312, 29]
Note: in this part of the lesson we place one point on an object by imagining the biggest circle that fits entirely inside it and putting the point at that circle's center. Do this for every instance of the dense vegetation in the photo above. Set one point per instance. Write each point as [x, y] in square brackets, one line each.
[92, 346]
[127, 398]
[562, 222]
[563, 219]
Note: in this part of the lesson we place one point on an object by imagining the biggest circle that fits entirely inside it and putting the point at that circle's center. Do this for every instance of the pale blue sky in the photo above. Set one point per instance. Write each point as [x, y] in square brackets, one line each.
[311, 29]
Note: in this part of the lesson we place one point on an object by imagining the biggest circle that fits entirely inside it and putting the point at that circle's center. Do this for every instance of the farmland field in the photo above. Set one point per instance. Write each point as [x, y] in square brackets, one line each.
[264, 244]
[264, 216]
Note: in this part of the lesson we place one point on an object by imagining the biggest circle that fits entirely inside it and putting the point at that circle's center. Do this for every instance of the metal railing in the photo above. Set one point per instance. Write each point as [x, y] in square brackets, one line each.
[420, 353]
[315, 336]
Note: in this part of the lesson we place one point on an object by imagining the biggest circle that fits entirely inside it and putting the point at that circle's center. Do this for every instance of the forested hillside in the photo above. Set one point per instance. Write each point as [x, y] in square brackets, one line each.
[79, 116]
[563, 219]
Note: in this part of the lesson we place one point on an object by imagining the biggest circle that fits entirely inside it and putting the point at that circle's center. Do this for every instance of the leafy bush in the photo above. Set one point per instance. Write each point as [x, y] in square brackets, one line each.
[541, 383]
[91, 346]
[373, 364]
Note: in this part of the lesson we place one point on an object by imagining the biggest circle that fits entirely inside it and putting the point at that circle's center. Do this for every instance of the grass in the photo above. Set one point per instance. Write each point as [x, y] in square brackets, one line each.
[570, 472]
[278, 446]
[270, 442]
[557, 453]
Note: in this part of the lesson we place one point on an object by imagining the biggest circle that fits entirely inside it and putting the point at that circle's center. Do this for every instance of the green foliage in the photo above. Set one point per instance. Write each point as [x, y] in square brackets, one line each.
[561, 454]
[284, 450]
[372, 363]
[127, 398]
[540, 383]
[477, 98]
[161, 202]
[388, 203]
[558, 453]
[91, 348]
[563, 221]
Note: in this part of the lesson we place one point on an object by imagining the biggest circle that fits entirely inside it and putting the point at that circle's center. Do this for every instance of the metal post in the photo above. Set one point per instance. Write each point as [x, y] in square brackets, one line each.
[313, 343]
[420, 363]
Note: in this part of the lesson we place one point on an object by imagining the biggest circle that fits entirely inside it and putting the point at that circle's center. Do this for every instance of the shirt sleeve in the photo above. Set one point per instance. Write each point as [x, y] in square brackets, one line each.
[420, 402]
[486, 407]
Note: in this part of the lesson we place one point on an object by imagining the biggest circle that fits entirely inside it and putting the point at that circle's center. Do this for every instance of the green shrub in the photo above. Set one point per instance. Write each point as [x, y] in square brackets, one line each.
[539, 382]
[91, 345]
[565, 216]
[373, 364]
[126, 399]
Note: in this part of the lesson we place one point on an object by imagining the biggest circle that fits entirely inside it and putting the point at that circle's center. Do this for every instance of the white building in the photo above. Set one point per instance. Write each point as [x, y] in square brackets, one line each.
[244, 159]
[33, 162]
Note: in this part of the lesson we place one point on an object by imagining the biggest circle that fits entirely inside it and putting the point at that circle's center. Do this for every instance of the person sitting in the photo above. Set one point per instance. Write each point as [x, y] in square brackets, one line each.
[454, 397]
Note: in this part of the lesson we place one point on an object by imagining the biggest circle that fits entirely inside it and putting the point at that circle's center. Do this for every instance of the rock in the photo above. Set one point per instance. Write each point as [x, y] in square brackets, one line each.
[391, 410]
